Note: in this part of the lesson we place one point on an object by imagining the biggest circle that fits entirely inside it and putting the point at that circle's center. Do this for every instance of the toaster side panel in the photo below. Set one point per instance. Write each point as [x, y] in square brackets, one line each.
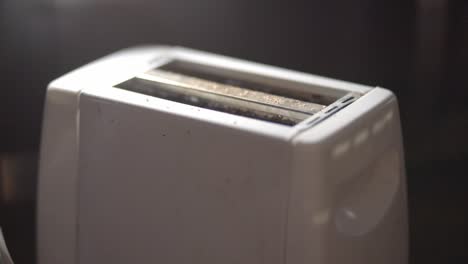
[58, 172]
[350, 187]
[157, 187]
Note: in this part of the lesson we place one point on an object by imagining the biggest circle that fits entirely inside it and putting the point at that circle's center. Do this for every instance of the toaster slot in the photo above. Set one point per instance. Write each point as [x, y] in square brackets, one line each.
[230, 91]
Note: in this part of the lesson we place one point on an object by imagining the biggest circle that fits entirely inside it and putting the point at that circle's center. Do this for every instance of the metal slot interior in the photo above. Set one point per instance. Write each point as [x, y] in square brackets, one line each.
[233, 92]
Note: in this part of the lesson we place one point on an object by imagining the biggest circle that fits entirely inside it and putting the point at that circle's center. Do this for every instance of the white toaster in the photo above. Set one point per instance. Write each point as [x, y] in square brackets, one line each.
[169, 155]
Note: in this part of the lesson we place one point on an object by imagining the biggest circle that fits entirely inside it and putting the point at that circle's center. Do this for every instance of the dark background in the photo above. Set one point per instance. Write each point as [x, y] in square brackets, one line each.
[417, 49]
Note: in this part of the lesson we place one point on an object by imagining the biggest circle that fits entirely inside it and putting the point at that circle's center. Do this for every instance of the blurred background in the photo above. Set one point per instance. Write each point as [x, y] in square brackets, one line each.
[416, 48]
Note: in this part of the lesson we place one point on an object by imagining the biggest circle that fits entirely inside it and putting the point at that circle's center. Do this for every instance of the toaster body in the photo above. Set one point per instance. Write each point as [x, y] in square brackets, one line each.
[133, 170]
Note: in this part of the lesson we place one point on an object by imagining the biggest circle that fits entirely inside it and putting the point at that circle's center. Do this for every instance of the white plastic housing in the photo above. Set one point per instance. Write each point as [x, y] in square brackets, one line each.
[129, 178]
